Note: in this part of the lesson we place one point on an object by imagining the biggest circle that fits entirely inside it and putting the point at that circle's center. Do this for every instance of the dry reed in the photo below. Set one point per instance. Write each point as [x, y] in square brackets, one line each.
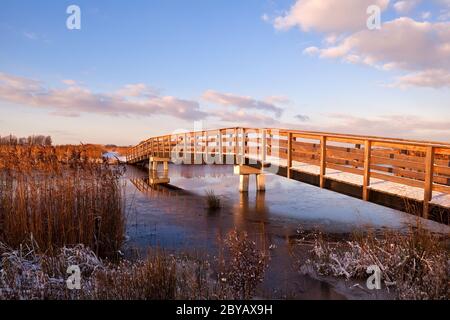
[59, 201]
[212, 201]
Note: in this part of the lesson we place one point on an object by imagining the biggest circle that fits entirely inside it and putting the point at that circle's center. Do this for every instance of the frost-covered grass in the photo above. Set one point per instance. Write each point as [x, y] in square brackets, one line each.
[25, 273]
[243, 265]
[415, 264]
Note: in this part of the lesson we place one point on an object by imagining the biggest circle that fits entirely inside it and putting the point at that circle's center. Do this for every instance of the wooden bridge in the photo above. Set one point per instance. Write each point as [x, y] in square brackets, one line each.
[397, 173]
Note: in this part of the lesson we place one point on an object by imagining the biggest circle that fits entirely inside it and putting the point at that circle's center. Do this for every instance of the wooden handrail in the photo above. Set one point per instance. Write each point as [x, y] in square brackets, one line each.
[351, 137]
[363, 138]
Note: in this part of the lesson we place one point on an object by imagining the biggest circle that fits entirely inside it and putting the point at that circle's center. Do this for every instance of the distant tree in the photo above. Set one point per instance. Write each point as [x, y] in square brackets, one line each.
[12, 140]
[48, 141]
[40, 140]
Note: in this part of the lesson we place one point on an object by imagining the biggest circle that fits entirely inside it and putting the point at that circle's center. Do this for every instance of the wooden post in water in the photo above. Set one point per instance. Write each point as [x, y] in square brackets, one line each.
[366, 179]
[428, 187]
[323, 160]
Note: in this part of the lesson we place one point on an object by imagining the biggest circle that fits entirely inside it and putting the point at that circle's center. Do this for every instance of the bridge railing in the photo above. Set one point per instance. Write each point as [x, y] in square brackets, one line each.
[420, 164]
[225, 141]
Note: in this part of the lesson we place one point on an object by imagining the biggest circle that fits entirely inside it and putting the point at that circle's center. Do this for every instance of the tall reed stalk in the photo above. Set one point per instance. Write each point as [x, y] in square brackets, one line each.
[60, 202]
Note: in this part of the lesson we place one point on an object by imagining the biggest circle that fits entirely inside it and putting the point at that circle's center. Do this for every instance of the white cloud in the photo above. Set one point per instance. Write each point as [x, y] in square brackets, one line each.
[277, 100]
[74, 100]
[242, 102]
[421, 48]
[331, 16]
[398, 126]
[426, 15]
[427, 45]
[244, 118]
[69, 82]
[401, 44]
[31, 35]
[428, 78]
[139, 99]
[137, 90]
[311, 51]
[405, 6]
[444, 13]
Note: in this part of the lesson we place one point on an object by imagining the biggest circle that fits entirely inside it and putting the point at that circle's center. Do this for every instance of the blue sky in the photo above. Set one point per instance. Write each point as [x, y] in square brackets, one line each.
[225, 63]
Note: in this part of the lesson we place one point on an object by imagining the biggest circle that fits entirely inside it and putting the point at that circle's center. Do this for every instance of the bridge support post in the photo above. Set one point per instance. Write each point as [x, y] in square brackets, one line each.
[244, 173]
[153, 163]
[261, 182]
[243, 182]
[155, 179]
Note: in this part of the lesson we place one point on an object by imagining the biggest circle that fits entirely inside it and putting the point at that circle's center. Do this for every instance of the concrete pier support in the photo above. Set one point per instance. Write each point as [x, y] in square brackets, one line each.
[154, 161]
[155, 178]
[243, 182]
[261, 182]
[244, 173]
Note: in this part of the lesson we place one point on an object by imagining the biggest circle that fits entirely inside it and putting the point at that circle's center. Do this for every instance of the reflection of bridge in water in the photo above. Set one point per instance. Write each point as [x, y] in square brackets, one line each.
[154, 183]
[248, 209]
[397, 173]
